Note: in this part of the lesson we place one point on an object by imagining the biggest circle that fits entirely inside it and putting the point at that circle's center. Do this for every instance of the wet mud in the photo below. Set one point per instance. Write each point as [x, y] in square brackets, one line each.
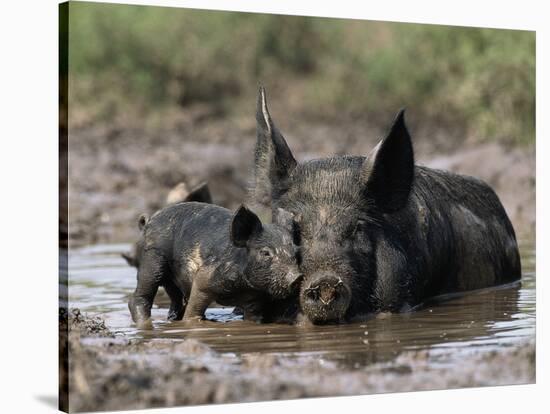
[478, 339]
[110, 372]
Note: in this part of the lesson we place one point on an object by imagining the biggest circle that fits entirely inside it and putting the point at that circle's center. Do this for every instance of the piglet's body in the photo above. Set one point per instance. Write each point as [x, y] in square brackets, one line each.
[202, 253]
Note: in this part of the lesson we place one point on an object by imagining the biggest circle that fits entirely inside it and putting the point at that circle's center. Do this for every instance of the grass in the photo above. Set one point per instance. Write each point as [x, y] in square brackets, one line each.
[125, 59]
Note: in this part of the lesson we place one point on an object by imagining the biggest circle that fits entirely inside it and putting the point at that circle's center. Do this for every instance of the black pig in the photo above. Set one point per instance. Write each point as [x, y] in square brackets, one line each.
[202, 253]
[178, 194]
[378, 233]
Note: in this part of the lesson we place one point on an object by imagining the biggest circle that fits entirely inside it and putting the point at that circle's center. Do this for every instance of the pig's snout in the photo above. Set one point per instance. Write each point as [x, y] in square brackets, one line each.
[325, 290]
[325, 297]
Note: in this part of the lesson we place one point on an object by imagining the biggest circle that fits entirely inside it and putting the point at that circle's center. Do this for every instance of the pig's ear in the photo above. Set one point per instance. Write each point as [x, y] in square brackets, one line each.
[388, 170]
[244, 225]
[201, 193]
[273, 160]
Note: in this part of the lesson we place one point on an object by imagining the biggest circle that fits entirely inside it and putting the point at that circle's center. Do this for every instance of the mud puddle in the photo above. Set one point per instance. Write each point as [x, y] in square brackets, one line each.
[100, 282]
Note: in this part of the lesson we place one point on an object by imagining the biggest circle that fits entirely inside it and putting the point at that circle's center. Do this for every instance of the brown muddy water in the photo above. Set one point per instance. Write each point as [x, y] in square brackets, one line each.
[488, 320]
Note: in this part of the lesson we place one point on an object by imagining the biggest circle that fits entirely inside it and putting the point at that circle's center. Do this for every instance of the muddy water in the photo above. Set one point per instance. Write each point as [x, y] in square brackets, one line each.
[100, 282]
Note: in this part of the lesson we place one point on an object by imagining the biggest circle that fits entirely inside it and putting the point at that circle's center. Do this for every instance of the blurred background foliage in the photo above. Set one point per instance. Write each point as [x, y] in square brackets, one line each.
[136, 60]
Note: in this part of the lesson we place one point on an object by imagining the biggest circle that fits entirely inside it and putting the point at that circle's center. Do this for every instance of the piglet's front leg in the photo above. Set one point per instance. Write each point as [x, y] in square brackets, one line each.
[199, 298]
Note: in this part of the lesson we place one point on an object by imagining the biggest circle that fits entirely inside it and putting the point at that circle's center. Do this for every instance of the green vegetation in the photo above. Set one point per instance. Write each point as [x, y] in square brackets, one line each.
[479, 80]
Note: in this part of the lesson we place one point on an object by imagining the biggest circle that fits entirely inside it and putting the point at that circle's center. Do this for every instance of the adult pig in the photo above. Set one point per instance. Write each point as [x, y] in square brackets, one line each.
[378, 233]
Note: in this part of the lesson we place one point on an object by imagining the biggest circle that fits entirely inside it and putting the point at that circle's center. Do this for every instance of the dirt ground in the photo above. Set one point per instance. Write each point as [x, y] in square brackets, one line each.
[118, 172]
[109, 372]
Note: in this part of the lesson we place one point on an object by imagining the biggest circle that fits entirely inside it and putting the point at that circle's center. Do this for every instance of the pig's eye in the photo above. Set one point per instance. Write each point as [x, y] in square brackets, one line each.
[296, 233]
[265, 252]
[359, 226]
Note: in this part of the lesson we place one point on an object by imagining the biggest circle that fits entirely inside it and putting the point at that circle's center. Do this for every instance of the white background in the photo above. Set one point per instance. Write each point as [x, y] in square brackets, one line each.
[28, 215]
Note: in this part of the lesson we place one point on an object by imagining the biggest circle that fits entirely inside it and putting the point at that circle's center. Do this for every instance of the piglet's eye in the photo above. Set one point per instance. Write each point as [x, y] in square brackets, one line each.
[265, 252]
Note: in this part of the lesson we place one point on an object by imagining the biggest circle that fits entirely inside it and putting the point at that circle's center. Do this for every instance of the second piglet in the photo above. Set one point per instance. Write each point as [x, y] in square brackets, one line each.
[201, 253]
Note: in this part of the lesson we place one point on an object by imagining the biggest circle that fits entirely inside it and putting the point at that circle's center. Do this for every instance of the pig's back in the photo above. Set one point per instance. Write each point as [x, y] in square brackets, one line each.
[179, 228]
[463, 222]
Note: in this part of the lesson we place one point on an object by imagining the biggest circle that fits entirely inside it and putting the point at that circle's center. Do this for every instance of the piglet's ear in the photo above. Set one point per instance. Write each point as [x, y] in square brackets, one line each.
[388, 170]
[244, 225]
[200, 193]
[142, 221]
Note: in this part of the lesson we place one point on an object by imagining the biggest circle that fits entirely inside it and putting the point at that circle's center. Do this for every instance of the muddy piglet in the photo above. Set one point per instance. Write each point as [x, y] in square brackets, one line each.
[201, 253]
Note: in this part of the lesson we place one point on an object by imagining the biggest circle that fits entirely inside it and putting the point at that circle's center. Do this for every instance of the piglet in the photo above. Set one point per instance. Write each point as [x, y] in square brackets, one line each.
[201, 253]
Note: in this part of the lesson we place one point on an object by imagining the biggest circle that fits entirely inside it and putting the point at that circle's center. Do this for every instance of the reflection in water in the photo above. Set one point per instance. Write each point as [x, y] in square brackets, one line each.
[100, 281]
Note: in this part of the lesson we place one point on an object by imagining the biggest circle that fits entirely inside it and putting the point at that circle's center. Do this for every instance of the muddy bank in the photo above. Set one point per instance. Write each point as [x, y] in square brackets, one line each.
[110, 372]
[119, 172]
